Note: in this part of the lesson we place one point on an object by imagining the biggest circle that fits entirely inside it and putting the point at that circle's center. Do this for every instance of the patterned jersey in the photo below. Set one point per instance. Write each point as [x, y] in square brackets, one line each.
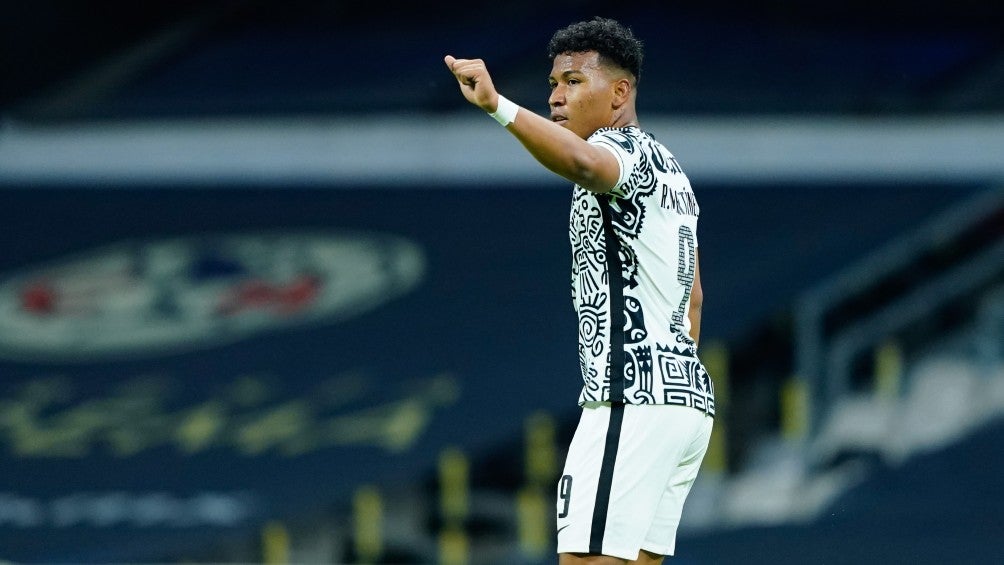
[634, 253]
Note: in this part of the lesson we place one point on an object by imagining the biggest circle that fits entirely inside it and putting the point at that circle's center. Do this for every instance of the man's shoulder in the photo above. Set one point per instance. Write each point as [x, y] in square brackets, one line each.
[628, 139]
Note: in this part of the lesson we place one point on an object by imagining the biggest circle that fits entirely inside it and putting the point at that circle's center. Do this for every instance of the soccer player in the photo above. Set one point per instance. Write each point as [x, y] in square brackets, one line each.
[647, 401]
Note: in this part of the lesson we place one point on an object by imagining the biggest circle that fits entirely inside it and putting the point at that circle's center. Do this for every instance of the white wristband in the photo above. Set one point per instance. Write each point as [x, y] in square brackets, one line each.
[505, 114]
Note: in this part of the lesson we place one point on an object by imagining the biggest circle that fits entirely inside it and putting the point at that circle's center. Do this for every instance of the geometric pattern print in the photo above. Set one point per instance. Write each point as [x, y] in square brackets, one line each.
[628, 207]
[678, 379]
[593, 330]
[590, 294]
[654, 373]
[585, 231]
[685, 382]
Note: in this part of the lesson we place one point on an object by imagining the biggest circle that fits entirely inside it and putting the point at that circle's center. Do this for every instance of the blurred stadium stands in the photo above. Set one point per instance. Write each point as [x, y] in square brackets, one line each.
[272, 292]
[227, 57]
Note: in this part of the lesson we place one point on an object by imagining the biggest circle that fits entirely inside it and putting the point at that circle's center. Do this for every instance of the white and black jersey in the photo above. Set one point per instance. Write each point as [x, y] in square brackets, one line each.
[633, 262]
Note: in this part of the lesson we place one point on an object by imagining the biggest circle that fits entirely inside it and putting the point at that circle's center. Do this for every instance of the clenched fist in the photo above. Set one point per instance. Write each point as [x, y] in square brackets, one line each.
[475, 82]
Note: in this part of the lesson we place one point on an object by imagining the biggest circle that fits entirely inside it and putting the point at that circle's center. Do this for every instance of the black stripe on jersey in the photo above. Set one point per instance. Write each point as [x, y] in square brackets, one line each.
[616, 281]
[602, 505]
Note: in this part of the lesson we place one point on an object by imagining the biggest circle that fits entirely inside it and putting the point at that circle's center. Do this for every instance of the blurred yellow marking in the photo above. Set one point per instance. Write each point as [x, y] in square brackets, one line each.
[532, 513]
[367, 534]
[794, 409]
[275, 544]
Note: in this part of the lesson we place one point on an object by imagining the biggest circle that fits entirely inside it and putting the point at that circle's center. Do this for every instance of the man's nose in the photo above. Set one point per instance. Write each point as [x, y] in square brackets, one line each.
[557, 97]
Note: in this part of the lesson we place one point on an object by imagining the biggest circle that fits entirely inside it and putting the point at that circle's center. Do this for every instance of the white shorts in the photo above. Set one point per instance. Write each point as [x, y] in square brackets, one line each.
[628, 472]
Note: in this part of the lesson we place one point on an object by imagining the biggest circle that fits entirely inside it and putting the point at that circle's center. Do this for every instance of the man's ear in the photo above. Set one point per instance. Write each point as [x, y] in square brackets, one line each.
[622, 92]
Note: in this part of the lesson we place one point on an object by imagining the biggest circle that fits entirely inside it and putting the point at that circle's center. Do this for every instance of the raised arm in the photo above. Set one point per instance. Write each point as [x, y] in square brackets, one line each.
[556, 148]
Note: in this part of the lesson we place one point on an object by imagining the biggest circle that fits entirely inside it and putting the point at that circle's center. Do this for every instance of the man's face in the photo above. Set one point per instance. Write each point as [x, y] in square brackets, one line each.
[581, 93]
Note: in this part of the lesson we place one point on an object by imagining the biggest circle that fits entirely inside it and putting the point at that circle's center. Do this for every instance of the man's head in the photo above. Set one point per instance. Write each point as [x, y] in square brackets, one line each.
[596, 67]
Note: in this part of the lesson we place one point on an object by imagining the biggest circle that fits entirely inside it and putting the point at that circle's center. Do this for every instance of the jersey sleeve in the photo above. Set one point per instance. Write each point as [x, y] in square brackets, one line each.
[626, 150]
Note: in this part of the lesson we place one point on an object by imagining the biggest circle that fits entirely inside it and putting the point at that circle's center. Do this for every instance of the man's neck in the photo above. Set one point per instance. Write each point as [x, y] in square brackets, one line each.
[626, 119]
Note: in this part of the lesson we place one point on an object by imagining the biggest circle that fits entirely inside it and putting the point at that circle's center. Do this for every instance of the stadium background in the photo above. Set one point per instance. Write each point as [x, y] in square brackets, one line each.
[272, 292]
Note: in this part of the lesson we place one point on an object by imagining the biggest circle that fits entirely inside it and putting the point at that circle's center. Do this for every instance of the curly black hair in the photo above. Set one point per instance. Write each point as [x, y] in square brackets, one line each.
[614, 43]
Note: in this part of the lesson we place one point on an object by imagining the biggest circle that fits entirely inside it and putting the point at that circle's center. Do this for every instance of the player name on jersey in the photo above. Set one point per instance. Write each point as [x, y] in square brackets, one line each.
[680, 200]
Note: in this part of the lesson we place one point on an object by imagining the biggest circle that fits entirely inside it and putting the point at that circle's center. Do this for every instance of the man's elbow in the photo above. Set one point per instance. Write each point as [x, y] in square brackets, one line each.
[696, 299]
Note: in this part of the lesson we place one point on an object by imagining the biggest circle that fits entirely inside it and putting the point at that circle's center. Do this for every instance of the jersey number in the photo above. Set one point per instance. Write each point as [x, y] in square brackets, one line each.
[565, 494]
[685, 270]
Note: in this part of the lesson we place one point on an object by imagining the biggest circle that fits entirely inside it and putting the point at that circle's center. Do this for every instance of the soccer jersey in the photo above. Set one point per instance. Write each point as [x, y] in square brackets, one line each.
[634, 253]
